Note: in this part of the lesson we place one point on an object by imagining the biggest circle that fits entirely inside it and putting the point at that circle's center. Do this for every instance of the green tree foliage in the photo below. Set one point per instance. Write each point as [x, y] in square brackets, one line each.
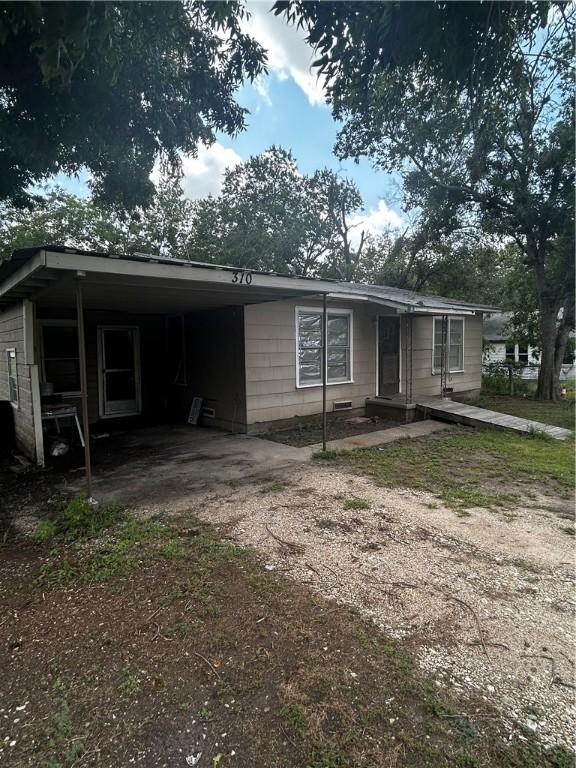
[115, 87]
[469, 44]
[60, 218]
[269, 216]
[474, 150]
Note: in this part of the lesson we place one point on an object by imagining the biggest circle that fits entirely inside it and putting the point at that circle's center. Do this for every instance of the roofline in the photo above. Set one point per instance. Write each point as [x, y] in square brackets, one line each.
[25, 262]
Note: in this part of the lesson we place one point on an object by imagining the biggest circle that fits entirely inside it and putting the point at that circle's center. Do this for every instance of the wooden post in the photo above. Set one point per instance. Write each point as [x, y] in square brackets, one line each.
[83, 384]
[324, 367]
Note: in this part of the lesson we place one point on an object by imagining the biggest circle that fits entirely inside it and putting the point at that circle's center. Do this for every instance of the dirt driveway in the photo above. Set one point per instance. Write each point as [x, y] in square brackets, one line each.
[485, 599]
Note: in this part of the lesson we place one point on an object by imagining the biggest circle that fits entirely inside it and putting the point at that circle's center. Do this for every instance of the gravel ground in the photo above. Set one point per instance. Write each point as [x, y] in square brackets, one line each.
[486, 600]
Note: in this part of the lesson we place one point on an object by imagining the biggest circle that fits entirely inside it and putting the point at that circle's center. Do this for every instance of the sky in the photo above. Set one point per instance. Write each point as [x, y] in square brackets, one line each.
[286, 108]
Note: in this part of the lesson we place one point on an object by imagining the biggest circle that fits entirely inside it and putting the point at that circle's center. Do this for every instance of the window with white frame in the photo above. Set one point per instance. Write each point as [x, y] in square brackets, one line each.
[60, 356]
[454, 345]
[309, 347]
[12, 365]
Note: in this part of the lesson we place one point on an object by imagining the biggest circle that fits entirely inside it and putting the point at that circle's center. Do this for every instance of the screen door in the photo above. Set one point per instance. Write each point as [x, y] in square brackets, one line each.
[119, 363]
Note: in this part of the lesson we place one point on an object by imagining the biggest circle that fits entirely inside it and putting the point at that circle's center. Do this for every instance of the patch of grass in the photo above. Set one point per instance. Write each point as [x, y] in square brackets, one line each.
[274, 486]
[66, 750]
[569, 530]
[79, 519]
[294, 719]
[468, 467]
[327, 525]
[130, 683]
[356, 503]
[330, 454]
[559, 413]
[131, 545]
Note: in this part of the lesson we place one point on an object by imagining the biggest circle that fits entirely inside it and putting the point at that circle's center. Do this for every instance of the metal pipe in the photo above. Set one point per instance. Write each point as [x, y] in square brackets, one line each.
[324, 367]
[83, 386]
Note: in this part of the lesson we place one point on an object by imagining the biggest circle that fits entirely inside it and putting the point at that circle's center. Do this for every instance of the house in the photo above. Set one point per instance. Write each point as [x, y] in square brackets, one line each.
[147, 335]
[501, 347]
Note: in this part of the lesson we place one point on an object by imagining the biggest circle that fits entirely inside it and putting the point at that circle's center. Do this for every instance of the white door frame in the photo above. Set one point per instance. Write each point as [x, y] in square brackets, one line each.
[137, 378]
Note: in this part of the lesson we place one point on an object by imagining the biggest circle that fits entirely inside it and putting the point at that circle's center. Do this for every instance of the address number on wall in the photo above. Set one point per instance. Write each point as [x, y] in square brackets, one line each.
[244, 278]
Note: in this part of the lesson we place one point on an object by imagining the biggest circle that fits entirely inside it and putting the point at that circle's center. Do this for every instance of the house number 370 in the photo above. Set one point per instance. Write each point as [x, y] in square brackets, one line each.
[242, 277]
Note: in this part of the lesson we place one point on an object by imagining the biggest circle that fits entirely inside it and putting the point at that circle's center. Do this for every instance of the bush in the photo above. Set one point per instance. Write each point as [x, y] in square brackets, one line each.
[496, 379]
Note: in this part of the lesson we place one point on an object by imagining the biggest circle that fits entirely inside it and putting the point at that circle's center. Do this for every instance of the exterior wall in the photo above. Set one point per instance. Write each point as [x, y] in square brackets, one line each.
[495, 352]
[214, 356]
[16, 324]
[215, 362]
[270, 343]
[427, 384]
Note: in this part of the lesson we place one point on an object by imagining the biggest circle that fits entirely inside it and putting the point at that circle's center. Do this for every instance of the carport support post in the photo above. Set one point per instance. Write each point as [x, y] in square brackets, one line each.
[324, 367]
[83, 382]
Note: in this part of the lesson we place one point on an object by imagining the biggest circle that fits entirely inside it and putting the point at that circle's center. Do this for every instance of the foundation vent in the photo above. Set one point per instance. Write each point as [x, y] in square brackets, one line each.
[209, 413]
[342, 405]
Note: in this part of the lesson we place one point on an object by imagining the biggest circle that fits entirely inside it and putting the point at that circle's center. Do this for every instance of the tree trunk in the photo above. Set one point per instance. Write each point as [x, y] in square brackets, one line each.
[549, 376]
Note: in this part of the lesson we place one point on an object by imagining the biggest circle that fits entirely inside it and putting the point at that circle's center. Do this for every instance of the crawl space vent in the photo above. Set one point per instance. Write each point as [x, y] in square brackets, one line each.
[343, 405]
[209, 413]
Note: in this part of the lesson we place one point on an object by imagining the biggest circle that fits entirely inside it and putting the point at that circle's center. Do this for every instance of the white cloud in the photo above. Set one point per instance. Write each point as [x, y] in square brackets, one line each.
[376, 221]
[289, 56]
[203, 174]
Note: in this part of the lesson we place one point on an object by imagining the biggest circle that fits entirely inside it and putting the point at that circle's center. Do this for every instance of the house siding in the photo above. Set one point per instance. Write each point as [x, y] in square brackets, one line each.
[14, 327]
[270, 346]
[424, 382]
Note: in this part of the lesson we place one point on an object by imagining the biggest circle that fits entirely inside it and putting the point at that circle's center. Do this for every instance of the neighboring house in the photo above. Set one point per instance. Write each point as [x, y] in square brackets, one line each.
[159, 332]
[499, 347]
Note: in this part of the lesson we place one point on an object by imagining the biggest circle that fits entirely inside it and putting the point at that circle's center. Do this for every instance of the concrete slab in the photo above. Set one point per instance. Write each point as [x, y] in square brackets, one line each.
[382, 436]
[169, 462]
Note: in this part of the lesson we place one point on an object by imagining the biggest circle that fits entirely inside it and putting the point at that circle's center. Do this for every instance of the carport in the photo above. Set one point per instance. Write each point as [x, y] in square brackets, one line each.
[148, 331]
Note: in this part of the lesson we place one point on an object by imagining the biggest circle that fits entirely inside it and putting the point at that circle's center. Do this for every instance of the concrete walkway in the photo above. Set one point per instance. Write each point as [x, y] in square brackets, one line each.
[370, 439]
[473, 416]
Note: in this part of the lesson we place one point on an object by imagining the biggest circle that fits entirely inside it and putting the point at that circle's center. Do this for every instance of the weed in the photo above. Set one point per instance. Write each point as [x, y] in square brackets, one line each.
[328, 756]
[539, 434]
[356, 503]
[67, 749]
[45, 531]
[569, 529]
[330, 454]
[275, 486]
[327, 525]
[130, 684]
[294, 719]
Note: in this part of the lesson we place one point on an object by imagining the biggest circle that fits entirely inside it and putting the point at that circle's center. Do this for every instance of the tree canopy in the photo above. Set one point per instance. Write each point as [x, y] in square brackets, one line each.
[115, 88]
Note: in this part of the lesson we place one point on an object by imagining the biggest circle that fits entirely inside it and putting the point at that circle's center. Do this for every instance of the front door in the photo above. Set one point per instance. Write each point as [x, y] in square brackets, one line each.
[388, 356]
[119, 370]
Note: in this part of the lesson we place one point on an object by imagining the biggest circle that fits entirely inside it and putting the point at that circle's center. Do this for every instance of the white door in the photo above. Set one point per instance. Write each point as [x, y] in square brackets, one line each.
[119, 370]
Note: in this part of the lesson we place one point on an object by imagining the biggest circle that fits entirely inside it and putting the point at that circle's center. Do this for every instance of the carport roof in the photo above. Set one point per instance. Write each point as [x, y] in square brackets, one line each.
[145, 283]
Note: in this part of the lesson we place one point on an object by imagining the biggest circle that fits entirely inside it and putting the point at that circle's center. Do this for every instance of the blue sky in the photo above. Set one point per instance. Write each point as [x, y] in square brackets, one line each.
[287, 108]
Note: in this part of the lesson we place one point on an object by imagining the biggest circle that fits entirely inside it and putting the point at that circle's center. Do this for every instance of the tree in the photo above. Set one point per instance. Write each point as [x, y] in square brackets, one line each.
[469, 44]
[60, 218]
[494, 155]
[269, 216]
[115, 88]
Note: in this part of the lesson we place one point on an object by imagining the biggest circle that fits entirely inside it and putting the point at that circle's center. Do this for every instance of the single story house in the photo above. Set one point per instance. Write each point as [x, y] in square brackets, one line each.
[501, 347]
[148, 335]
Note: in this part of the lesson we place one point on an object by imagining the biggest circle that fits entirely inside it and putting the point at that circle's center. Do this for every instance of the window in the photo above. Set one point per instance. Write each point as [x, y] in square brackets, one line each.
[523, 354]
[454, 344]
[12, 375]
[61, 359]
[510, 353]
[309, 347]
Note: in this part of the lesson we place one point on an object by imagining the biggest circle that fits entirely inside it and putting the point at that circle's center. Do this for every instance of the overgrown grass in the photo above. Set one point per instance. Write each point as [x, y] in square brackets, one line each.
[466, 467]
[559, 414]
[79, 519]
